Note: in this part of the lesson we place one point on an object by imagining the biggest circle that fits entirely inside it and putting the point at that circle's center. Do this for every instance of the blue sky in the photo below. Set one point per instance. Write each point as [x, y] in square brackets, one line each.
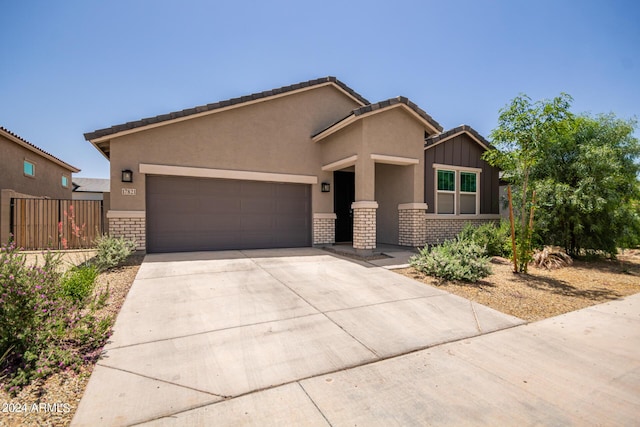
[71, 67]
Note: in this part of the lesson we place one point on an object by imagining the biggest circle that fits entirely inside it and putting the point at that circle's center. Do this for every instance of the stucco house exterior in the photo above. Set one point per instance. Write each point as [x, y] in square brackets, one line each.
[28, 171]
[313, 163]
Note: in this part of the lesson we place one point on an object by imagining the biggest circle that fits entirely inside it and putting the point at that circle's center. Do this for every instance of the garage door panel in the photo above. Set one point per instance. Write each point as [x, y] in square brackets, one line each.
[188, 214]
[265, 206]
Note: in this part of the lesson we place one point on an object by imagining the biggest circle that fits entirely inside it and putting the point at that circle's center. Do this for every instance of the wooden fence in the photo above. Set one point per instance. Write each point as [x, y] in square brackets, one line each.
[55, 223]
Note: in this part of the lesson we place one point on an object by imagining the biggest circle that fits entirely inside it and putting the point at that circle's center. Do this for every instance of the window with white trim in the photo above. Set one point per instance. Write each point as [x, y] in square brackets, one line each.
[65, 181]
[446, 193]
[468, 192]
[457, 190]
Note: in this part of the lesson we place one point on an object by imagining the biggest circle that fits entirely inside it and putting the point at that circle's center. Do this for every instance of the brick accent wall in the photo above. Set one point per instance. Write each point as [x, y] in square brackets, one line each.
[130, 228]
[438, 230]
[364, 228]
[412, 227]
[324, 230]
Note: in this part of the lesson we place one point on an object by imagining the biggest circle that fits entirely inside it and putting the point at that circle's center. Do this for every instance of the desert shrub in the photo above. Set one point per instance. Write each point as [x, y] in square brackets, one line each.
[112, 251]
[41, 331]
[494, 238]
[77, 283]
[457, 259]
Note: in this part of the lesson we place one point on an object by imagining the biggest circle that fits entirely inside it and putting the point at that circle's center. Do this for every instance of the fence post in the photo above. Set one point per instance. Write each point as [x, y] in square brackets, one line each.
[60, 229]
[12, 212]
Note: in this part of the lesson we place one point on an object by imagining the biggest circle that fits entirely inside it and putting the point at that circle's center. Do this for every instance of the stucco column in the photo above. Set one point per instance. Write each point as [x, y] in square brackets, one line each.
[364, 225]
[412, 224]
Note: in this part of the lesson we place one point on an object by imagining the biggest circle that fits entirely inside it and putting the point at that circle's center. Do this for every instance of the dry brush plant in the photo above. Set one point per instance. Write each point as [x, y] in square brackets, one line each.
[551, 258]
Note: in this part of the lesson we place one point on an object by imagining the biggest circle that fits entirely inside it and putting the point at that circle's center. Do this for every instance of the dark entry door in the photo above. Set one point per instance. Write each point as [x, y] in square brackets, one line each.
[343, 197]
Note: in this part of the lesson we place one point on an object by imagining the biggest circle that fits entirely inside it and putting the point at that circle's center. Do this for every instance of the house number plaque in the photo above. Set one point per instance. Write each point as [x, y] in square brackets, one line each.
[128, 191]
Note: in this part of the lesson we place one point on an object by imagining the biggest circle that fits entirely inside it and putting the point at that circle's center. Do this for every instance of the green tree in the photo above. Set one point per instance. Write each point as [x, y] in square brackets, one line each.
[525, 130]
[587, 184]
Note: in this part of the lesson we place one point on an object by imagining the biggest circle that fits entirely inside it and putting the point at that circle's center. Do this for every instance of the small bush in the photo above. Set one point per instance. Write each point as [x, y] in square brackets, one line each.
[41, 330]
[112, 251]
[77, 283]
[494, 238]
[457, 259]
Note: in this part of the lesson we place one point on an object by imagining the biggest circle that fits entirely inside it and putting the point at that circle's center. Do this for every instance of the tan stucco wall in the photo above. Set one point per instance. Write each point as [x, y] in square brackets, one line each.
[394, 133]
[391, 190]
[271, 136]
[48, 177]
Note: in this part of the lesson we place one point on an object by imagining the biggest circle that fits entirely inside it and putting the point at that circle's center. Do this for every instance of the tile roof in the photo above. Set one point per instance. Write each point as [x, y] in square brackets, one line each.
[221, 104]
[91, 185]
[381, 105]
[434, 139]
[394, 101]
[38, 150]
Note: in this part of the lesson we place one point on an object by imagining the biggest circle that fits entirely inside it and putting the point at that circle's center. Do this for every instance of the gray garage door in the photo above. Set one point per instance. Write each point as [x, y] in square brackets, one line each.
[196, 214]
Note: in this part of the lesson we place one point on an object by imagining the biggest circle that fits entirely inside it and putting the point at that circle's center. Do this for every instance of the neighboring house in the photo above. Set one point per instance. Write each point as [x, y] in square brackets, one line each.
[90, 189]
[93, 189]
[28, 171]
[309, 164]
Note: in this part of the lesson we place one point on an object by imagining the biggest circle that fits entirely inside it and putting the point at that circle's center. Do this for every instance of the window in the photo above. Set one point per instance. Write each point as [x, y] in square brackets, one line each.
[468, 192]
[65, 181]
[29, 168]
[457, 190]
[446, 195]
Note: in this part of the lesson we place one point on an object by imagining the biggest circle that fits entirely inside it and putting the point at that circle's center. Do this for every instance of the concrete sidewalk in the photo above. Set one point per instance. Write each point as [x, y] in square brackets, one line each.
[300, 337]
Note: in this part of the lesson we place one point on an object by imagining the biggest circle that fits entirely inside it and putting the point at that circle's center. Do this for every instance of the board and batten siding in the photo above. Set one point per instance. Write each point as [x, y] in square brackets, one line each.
[462, 151]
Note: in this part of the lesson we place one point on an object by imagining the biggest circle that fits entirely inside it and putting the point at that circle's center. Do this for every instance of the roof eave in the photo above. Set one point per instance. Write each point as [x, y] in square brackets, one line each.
[97, 147]
[102, 135]
[352, 118]
[463, 129]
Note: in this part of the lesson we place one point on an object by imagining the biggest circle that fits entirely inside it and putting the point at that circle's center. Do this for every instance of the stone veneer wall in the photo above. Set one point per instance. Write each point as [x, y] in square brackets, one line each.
[438, 230]
[364, 228]
[130, 228]
[324, 229]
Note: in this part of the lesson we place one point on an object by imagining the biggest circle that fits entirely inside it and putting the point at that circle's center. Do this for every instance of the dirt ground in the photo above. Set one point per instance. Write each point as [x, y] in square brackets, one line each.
[62, 392]
[537, 295]
[68, 258]
[545, 293]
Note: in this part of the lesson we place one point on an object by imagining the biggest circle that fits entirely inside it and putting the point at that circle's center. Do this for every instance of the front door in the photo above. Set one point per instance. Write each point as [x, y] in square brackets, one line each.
[343, 197]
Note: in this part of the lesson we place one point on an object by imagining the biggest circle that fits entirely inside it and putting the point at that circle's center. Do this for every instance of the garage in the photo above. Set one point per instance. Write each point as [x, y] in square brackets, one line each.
[199, 214]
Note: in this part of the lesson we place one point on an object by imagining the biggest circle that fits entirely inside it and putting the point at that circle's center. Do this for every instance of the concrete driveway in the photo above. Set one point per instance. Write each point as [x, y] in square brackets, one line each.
[302, 337]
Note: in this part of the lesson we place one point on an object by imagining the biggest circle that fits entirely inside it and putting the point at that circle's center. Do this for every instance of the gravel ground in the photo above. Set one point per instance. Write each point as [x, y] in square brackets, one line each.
[62, 391]
[537, 295]
[546, 293]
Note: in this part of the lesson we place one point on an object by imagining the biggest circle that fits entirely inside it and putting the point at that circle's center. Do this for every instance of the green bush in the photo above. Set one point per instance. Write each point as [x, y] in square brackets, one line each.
[112, 251]
[41, 330]
[457, 259]
[494, 238]
[77, 283]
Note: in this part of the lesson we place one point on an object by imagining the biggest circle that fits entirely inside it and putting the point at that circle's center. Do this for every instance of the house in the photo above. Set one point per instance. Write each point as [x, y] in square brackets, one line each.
[92, 189]
[308, 164]
[28, 171]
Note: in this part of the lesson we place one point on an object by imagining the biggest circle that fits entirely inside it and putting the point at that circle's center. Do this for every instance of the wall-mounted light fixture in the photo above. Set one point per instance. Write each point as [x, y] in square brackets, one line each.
[127, 175]
[325, 187]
